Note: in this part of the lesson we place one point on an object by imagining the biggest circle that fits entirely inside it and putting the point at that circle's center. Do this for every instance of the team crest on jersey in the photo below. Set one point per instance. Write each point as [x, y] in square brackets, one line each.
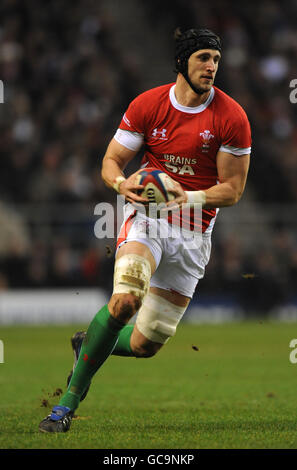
[206, 137]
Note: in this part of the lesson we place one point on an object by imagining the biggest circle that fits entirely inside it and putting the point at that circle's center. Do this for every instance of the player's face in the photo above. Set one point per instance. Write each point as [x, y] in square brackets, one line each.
[202, 68]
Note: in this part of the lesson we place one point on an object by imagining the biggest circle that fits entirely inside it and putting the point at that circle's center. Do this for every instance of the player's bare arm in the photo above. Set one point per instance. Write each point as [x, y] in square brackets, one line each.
[115, 160]
[232, 174]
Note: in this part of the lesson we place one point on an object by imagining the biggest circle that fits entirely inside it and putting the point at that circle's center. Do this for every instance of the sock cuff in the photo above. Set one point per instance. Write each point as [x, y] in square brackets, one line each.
[115, 324]
[105, 319]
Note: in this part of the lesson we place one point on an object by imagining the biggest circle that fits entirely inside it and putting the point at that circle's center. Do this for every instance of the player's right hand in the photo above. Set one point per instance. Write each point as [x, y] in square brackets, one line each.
[129, 188]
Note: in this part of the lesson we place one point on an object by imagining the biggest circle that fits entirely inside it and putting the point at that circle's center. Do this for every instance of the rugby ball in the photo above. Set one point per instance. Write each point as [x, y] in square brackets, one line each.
[157, 186]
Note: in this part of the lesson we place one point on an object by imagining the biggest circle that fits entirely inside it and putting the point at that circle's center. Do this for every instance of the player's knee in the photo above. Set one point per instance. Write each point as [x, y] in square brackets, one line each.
[146, 351]
[124, 306]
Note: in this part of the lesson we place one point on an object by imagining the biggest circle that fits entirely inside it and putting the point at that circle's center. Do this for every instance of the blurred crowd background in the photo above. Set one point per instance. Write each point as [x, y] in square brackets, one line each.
[69, 71]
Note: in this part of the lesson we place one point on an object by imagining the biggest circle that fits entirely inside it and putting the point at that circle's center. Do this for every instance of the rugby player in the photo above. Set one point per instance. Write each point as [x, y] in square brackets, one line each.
[199, 136]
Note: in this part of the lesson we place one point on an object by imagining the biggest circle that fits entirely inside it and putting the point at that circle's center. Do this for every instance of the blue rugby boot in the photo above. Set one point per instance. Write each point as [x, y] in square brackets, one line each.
[58, 421]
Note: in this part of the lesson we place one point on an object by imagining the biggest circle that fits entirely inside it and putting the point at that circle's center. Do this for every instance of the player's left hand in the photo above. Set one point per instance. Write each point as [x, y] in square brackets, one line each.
[180, 196]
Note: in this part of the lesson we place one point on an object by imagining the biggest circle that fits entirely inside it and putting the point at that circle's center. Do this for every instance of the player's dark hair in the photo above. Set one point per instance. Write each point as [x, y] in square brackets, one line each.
[190, 41]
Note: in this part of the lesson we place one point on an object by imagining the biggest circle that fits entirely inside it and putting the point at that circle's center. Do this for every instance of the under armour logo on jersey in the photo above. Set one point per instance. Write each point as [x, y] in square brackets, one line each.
[160, 134]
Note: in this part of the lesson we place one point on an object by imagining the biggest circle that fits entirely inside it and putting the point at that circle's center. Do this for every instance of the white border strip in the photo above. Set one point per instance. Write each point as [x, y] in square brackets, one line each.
[235, 150]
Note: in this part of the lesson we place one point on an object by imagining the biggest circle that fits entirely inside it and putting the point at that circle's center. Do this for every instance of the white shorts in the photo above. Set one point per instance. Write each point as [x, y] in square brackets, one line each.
[180, 260]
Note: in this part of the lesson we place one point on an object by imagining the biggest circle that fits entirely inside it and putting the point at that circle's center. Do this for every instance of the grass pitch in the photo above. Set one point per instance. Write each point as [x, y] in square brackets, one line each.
[212, 386]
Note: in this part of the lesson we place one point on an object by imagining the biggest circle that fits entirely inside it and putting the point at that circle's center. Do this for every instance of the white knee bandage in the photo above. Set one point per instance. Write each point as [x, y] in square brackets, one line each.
[132, 275]
[158, 318]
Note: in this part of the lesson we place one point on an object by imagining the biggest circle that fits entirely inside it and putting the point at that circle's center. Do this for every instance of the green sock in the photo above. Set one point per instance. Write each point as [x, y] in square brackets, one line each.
[123, 348]
[98, 344]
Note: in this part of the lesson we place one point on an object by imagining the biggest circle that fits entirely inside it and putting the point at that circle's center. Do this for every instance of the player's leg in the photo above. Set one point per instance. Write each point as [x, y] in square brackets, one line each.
[133, 267]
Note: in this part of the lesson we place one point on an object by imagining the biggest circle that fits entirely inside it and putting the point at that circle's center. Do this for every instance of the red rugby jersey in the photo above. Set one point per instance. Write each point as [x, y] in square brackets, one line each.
[184, 141]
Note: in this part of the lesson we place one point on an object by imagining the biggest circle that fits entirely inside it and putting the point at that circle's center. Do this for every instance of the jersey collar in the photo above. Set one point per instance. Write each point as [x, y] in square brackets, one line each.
[188, 109]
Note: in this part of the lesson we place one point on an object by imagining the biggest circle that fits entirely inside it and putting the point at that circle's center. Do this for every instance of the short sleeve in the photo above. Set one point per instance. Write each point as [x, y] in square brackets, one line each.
[236, 135]
[133, 119]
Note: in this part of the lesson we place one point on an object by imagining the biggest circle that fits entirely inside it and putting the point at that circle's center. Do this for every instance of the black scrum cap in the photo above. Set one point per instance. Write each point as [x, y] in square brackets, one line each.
[191, 41]
[188, 42]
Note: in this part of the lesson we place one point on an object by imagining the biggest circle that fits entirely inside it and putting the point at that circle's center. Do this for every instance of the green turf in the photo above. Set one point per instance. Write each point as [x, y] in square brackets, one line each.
[237, 391]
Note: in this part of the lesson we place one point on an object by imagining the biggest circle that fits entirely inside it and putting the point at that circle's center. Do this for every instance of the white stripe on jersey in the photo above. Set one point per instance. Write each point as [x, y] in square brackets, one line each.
[130, 140]
[235, 150]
